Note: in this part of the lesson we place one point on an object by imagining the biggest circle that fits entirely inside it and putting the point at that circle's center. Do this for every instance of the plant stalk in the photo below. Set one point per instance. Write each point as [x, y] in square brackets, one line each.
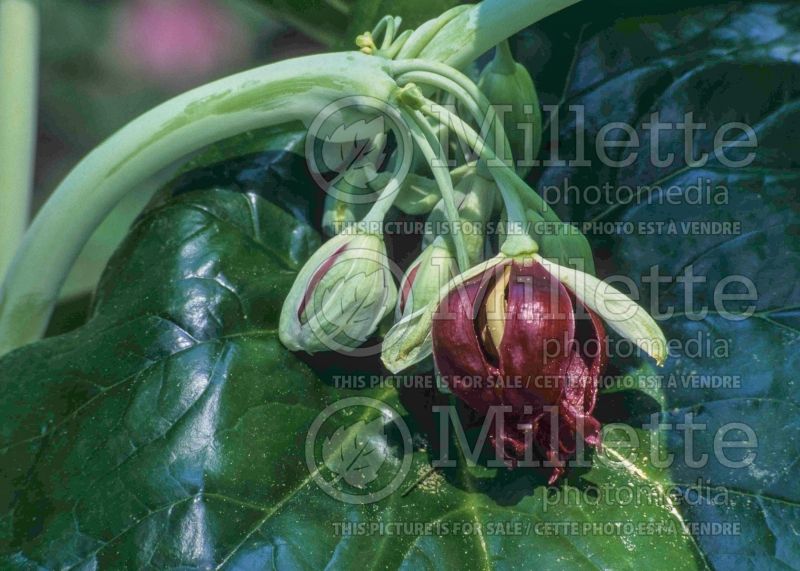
[503, 175]
[19, 54]
[433, 152]
[473, 32]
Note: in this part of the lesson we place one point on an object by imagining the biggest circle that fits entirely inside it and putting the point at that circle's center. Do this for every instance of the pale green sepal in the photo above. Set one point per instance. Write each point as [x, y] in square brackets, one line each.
[417, 195]
[620, 312]
[435, 267]
[474, 197]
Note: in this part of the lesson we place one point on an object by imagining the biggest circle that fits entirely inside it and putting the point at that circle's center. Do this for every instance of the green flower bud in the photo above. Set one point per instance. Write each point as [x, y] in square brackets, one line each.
[366, 43]
[340, 295]
[339, 215]
[474, 197]
[417, 195]
[509, 87]
[431, 271]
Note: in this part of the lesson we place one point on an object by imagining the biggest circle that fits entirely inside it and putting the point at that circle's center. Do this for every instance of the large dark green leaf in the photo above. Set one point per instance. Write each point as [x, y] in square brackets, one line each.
[726, 63]
[169, 431]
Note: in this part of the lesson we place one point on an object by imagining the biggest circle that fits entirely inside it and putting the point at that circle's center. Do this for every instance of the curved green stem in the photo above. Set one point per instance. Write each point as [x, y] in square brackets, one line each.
[468, 93]
[388, 26]
[397, 45]
[473, 32]
[382, 205]
[19, 46]
[450, 87]
[445, 72]
[501, 172]
[520, 201]
[287, 91]
[426, 141]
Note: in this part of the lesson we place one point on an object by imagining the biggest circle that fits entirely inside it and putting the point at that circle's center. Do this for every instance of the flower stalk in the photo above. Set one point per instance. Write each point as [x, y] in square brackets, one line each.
[431, 149]
[19, 50]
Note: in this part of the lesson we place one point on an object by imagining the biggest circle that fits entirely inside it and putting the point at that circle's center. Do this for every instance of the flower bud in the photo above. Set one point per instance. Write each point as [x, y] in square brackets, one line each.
[518, 327]
[340, 295]
[509, 87]
[474, 198]
[426, 276]
[339, 214]
[417, 195]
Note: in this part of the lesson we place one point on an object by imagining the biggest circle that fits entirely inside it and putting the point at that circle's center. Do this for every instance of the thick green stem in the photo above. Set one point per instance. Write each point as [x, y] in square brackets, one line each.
[19, 47]
[287, 91]
[475, 31]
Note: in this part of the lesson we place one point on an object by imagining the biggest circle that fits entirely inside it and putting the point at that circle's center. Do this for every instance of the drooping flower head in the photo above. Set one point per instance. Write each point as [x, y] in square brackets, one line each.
[515, 336]
[535, 327]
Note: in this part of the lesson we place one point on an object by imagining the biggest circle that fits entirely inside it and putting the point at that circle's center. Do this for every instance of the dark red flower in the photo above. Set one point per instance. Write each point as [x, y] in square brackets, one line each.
[515, 336]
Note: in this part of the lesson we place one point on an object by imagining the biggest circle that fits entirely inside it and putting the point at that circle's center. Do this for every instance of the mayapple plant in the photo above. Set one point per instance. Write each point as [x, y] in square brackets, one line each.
[480, 305]
[529, 313]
